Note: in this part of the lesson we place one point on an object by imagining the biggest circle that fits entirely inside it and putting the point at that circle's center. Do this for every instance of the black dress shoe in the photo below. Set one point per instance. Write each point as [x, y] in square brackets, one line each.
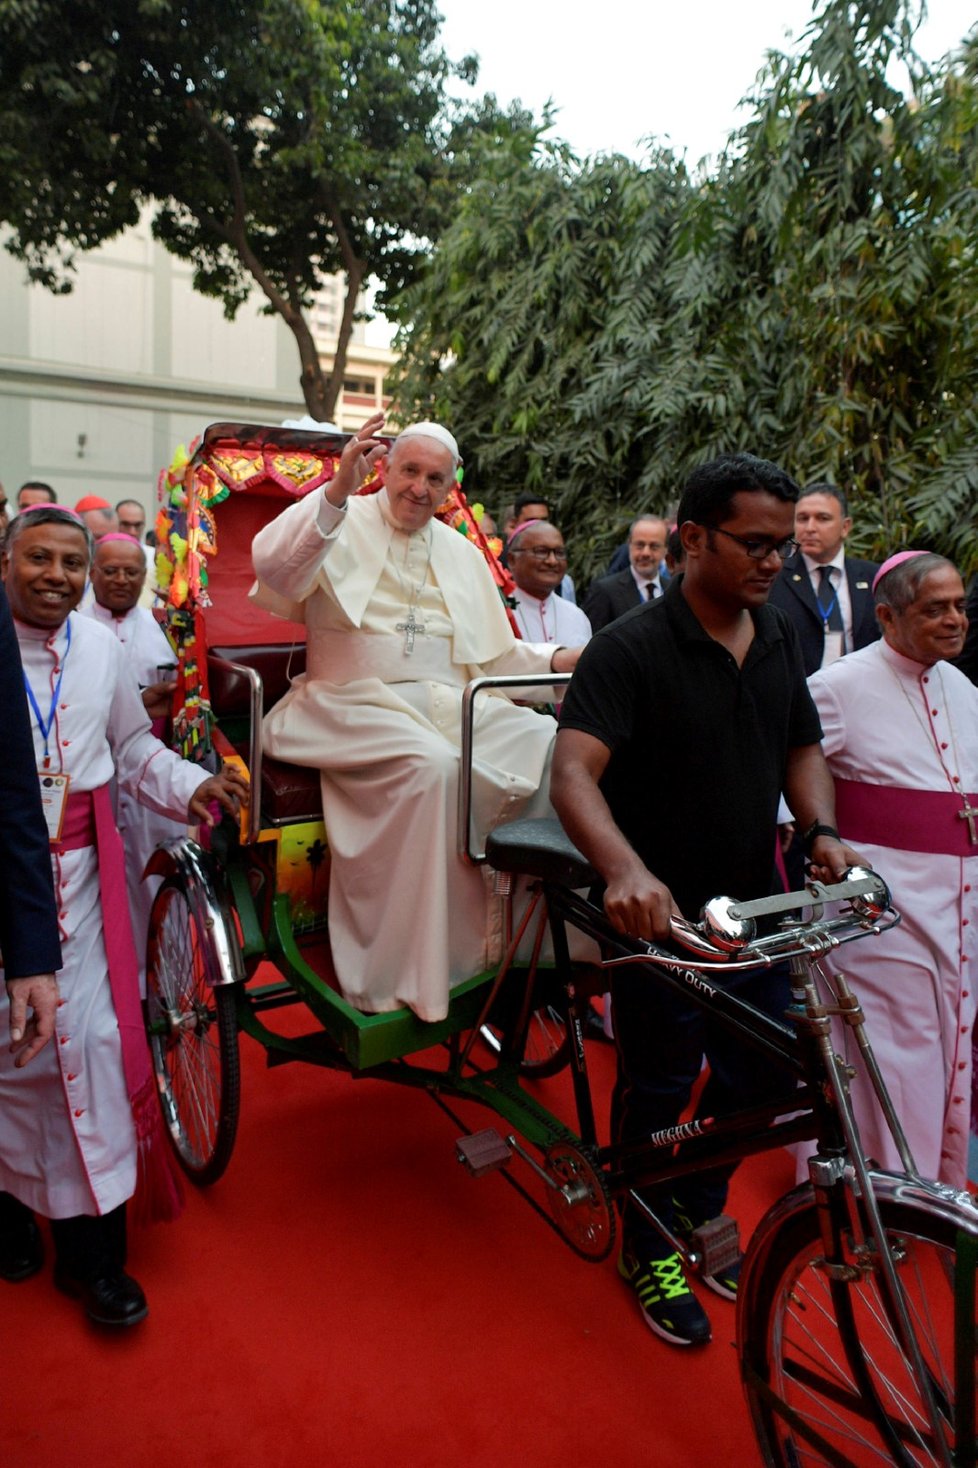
[113, 1299]
[21, 1249]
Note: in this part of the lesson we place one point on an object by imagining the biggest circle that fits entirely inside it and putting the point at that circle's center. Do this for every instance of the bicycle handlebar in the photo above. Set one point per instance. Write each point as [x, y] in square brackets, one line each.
[728, 928]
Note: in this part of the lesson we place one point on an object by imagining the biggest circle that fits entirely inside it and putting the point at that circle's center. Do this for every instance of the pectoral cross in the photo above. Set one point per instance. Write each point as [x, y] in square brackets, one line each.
[411, 628]
[968, 813]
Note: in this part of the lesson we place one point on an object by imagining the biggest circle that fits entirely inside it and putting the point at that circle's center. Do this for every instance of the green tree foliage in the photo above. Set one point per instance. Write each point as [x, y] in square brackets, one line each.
[599, 327]
[281, 141]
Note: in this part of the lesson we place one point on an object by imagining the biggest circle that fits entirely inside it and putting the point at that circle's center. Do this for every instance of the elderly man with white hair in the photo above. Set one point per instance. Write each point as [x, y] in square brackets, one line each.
[401, 612]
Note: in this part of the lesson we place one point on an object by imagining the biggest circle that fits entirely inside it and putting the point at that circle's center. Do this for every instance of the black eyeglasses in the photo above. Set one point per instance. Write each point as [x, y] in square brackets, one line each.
[539, 554]
[759, 550]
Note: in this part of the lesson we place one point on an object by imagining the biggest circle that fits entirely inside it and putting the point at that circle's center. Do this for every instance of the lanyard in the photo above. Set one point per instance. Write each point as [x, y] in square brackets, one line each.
[827, 611]
[45, 728]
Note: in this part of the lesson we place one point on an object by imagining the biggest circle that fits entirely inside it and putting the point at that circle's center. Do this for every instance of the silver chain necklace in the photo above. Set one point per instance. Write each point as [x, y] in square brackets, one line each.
[412, 625]
[967, 812]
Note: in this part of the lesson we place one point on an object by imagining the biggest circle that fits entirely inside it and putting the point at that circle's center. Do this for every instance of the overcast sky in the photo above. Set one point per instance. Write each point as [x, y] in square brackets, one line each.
[624, 69]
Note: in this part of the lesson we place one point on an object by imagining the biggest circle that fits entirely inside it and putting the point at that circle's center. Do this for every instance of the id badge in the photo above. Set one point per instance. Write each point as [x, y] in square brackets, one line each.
[833, 648]
[54, 801]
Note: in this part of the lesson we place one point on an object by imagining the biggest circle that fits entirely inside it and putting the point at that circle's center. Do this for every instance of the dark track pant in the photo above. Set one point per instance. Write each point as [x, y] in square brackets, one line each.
[662, 1039]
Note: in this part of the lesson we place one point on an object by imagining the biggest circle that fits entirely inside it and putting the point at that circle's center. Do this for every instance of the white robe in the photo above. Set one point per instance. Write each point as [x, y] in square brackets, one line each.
[407, 917]
[916, 983]
[146, 649]
[552, 619]
[67, 1142]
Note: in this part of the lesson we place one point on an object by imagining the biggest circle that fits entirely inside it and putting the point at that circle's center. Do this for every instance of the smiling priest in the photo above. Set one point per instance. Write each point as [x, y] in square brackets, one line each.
[901, 740]
[81, 1125]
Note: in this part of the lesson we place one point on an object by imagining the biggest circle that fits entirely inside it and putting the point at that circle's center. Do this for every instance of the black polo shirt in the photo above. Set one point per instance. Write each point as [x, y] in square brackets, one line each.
[698, 745]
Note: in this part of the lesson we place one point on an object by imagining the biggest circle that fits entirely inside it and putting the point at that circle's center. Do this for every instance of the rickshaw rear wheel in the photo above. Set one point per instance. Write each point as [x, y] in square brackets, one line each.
[547, 1049]
[193, 1033]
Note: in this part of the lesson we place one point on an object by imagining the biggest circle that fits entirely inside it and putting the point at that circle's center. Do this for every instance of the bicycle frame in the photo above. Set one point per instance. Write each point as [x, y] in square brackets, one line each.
[846, 1188]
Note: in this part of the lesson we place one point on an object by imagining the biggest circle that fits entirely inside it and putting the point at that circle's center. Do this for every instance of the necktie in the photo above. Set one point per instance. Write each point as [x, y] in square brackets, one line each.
[828, 602]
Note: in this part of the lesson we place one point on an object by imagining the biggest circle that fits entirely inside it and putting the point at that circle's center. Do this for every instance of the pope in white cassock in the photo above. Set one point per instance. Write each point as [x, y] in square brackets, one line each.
[401, 612]
[901, 739]
[118, 577]
[75, 1123]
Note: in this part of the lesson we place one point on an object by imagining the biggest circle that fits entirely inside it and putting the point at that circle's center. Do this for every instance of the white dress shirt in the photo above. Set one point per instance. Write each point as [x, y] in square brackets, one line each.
[840, 585]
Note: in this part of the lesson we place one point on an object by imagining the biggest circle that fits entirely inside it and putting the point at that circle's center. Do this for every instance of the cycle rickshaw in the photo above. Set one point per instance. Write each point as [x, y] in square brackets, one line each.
[856, 1309]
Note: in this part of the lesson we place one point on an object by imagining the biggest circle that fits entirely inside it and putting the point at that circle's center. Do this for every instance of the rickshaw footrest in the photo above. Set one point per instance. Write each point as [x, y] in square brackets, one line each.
[482, 1152]
[717, 1243]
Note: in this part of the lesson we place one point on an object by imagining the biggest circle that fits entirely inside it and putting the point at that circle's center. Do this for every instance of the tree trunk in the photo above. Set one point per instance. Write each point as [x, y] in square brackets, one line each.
[354, 283]
[319, 392]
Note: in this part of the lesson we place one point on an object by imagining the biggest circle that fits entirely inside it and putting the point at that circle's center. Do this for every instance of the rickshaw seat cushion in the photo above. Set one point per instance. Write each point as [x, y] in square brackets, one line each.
[290, 794]
[276, 665]
[539, 848]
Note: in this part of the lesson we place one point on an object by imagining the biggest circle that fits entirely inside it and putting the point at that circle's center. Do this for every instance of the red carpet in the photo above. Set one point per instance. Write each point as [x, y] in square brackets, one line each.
[348, 1294]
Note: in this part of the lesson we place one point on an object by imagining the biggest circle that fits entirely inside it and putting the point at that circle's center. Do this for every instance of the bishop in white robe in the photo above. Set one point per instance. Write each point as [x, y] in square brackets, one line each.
[117, 607]
[401, 612]
[901, 739]
[67, 1143]
[81, 1123]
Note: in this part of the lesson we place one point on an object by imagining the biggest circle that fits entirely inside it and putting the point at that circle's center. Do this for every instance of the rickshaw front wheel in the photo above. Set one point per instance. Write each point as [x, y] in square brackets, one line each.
[192, 1030]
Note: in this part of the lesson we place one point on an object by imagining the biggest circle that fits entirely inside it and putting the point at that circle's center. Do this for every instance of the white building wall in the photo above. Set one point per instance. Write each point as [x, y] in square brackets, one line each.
[98, 387]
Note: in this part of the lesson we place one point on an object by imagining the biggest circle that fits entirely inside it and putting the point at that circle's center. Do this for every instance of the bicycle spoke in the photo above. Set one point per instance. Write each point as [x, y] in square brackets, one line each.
[834, 1383]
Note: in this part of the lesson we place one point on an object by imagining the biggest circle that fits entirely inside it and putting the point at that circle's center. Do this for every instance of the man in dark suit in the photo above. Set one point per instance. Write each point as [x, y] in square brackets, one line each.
[29, 937]
[29, 940]
[611, 597]
[827, 594]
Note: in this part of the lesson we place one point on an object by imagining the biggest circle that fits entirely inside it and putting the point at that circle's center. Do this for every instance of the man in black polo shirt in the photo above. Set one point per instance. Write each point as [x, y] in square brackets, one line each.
[684, 722]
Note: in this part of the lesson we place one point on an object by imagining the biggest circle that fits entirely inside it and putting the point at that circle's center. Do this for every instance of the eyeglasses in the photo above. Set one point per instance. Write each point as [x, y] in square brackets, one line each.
[540, 554]
[759, 550]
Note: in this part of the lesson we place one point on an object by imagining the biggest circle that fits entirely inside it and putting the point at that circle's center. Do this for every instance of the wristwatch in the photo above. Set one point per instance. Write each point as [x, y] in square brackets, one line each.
[816, 829]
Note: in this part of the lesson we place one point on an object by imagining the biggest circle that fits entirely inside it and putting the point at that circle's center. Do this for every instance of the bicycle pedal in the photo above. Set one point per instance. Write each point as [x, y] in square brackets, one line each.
[482, 1152]
[717, 1243]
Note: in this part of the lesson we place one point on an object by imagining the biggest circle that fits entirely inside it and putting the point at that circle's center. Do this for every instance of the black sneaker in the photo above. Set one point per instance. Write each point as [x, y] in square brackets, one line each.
[668, 1304]
[726, 1281]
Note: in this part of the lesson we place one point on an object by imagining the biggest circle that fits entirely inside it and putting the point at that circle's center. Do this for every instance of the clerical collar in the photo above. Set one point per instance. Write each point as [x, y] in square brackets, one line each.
[901, 662]
[30, 633]
[106, 614]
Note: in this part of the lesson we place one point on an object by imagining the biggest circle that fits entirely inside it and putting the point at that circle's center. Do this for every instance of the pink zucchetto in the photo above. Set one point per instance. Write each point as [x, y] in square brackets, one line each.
[893, 562]
[119, 535]
[31, 509]
[523, 525]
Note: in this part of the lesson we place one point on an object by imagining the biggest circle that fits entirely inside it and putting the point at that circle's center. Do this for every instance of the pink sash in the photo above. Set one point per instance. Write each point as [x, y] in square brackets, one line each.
[908, 820]
[89, 822]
